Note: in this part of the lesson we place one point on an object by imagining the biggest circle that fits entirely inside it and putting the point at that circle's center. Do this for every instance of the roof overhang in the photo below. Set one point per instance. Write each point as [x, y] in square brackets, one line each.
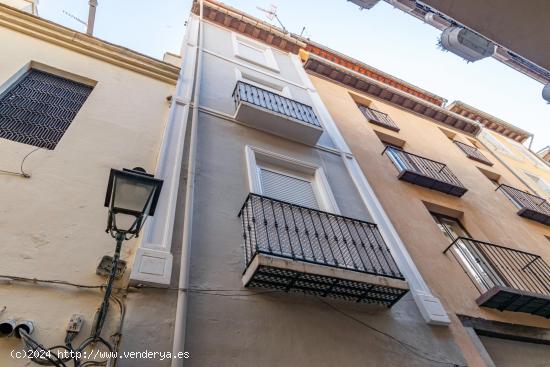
[383, 91]
[240, 22]
[39, 28]
[370, 71]
[490, 122]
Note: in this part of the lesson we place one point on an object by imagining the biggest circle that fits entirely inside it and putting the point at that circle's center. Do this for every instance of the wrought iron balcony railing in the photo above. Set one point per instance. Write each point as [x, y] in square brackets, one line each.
[378, 118]
[268, 111]
[508, 279]
[473, 153]
[274, 102]
[325, 241]
[530, 206]
[425, 172]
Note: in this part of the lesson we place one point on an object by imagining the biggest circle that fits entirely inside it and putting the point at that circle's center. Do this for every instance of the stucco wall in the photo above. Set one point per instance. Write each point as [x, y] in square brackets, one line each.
[512, 353]
[487, 215]
[277, 329]
[520, 161]
[53, 224]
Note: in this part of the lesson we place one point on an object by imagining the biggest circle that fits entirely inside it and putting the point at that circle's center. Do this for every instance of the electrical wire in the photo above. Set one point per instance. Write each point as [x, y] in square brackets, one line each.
[411, 348]
[22, 172]
[215, 292]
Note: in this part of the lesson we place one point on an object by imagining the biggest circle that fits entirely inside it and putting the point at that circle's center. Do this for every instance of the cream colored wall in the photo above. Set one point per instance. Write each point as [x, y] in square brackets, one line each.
[25, 5]
[52, 225]
[487, 214]
[520, 164]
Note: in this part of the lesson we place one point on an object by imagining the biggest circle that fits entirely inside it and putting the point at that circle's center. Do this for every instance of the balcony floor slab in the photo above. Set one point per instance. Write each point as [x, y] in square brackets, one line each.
[269, 271]
[510, 299]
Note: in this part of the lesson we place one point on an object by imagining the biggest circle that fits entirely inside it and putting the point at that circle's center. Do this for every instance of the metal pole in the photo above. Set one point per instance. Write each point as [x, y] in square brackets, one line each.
[91, 17]
[102, 313]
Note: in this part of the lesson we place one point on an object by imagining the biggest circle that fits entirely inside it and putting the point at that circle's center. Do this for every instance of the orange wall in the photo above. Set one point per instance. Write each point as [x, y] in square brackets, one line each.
[487, 215]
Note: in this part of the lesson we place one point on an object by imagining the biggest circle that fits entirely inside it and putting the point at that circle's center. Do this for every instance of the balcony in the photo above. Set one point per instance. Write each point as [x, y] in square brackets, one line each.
[378, 118]
[268, 111]
[507, 279]
[530, 206]
[425, 172]
[293, 248]
[473, 153]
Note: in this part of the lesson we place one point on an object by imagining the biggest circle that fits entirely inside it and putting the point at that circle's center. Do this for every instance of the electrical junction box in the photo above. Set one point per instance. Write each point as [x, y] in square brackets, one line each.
[466, 44]
[75, 323]
[106, 264]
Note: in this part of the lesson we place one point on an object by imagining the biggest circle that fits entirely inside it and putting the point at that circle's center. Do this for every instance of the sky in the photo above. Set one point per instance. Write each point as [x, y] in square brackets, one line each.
[383, 37]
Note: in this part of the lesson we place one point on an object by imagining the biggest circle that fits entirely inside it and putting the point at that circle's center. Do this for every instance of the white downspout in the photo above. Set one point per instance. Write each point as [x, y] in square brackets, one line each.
[180, 322]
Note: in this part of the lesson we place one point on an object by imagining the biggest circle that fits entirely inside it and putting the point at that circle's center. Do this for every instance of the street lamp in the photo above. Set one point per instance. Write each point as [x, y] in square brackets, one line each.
[132, 195]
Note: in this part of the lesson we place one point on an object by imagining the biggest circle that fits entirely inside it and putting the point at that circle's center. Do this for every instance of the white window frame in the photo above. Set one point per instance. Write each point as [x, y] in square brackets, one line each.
[270, 62]
[260, 82]
[257, 158]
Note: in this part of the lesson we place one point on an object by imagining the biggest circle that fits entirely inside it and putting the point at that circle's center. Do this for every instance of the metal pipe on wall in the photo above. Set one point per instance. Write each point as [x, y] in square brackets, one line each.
[180, 322]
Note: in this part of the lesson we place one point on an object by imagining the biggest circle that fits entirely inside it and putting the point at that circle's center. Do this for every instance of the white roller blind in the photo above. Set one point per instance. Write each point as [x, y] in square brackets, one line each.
[287, 188]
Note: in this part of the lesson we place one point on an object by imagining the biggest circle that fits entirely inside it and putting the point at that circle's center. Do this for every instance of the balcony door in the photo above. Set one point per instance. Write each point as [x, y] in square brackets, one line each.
[474, 259]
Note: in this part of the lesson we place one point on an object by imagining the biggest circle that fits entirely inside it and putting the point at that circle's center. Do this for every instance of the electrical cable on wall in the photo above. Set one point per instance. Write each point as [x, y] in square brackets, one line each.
[21, 172]
[213, 292]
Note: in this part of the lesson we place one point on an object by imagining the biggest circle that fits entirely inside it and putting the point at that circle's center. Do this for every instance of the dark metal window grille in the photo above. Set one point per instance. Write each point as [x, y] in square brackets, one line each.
[405, 161]
[473, 153]
[378, 118]
[492, 265]
[274, 102]
[291, 231]
[38, 109]
[531, 206]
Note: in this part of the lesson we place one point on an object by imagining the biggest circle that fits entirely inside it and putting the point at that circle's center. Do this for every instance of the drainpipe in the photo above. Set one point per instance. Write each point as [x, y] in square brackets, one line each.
[91, 17]
[181, 308]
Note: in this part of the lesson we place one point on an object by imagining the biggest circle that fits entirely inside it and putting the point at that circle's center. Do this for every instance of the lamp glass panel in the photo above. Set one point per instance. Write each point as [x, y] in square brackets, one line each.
[132, 195]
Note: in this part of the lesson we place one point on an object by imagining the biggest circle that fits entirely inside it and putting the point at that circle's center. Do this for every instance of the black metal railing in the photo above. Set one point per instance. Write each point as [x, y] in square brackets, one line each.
[378, 118]
[274, 102]
[405, 161]
[531, 206]
[473, 153]
[490, 265]
[295, 232]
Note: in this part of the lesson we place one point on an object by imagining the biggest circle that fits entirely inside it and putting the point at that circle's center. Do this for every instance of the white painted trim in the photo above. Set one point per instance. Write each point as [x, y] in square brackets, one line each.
[319, 181]
[258, 70]
[429, 306]
[153, 260]
[270, 62]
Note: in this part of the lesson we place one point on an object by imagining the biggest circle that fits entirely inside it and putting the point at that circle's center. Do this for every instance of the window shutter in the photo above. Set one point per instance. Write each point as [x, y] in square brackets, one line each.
[287, 188]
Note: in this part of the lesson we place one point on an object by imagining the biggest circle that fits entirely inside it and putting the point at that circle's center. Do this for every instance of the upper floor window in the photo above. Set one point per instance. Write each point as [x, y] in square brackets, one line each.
[378, 118]
[254, 52]
[39, 107]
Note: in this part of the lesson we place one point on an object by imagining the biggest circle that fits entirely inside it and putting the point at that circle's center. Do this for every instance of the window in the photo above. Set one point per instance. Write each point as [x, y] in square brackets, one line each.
[254, 52]
[284, 187]
[261, 82]
[290, 180]
[471, 256]
[39, 107]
